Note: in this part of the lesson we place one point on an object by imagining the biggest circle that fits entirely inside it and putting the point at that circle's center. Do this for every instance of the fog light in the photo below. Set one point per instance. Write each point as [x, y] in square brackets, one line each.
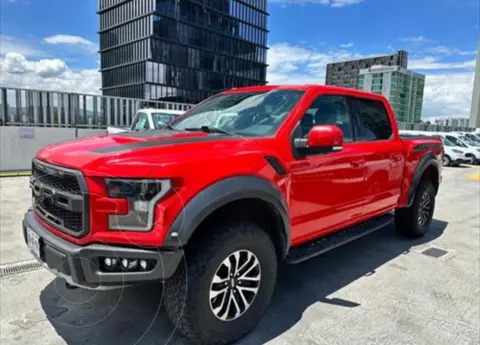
[124, 263]
[143, 264]
[108, 262]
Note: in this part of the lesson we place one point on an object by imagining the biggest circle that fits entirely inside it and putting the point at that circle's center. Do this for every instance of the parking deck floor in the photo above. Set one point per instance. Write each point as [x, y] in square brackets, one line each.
[382, 289]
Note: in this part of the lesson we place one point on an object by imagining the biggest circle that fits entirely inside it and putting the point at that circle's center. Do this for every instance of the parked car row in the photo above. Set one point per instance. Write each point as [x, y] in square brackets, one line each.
[459, 147]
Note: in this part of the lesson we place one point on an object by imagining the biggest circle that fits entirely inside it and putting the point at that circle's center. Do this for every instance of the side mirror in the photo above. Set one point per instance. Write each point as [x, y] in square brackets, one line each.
[321, 140]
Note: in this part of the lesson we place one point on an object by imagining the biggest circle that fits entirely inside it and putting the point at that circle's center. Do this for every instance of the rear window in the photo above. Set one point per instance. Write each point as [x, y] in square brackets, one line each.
[373, 121]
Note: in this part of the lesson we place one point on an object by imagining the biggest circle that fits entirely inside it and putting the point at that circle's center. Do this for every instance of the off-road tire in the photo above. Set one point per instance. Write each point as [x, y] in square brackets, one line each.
[407, 219]
[186, 294]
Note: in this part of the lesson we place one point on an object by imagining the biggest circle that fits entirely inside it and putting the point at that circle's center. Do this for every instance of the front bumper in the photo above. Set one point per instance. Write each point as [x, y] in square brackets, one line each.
[80, 266]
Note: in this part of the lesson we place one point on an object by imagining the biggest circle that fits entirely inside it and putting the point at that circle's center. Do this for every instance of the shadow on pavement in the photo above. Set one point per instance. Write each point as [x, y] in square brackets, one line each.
[134, 315]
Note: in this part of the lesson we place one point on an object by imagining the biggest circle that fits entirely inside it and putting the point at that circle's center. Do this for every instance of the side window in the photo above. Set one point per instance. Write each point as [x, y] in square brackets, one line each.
[328, 110]
[373, 121]
[141, 122]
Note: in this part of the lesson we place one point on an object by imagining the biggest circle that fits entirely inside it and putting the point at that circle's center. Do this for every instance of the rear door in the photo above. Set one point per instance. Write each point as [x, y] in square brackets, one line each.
[383, 152]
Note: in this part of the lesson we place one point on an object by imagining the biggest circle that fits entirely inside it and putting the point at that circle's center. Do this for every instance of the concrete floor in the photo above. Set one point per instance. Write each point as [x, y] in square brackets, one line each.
[378, 290]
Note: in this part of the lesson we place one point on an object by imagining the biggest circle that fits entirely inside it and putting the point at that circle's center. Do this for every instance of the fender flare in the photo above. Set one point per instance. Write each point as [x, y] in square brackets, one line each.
[220, 194]
[427, 161]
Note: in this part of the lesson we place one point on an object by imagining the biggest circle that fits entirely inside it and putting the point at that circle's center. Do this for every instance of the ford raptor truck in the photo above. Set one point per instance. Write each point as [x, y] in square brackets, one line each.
[211, 208]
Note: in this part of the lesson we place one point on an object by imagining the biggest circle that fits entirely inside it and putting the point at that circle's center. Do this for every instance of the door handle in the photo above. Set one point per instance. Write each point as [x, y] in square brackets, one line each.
[357, 163]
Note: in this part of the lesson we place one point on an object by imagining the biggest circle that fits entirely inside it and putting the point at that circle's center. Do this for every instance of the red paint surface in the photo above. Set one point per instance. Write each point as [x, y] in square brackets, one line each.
[324, 193]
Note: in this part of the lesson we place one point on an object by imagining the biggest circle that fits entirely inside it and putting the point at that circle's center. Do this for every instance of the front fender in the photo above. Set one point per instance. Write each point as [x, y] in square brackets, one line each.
[220, 194]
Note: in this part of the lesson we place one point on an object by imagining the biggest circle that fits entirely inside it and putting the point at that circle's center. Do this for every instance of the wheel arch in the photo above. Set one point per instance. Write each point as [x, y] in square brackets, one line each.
[248, 196]
[427, 169]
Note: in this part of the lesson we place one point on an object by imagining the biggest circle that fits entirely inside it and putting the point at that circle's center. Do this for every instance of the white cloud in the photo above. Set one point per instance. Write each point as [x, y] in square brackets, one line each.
[448, 88]
[47, 74]
[415, 39]
[346, 45]
[433, 63]
[448, 94]
[331, 3]
[72, 40]
[9, 44]
[450, 51]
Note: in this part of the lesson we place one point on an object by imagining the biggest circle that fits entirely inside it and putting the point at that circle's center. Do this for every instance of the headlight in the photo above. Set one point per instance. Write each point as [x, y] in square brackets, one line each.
[457, 151]
[142, 195]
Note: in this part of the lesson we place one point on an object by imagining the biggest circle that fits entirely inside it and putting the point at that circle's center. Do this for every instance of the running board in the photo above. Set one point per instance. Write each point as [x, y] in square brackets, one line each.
[319, 246]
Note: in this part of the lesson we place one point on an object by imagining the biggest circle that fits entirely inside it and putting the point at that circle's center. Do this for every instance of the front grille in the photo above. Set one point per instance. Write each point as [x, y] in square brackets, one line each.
[60, 197]
[55, 178]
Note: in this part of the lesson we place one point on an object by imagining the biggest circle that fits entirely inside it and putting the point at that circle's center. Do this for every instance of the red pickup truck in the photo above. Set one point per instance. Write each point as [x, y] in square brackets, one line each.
[215, 201]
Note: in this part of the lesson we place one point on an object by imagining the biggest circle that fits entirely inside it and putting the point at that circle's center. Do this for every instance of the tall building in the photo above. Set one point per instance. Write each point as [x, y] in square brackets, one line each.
[403, 88]
[452, 121]
[181, 50]
[345, 73]
[475, 110]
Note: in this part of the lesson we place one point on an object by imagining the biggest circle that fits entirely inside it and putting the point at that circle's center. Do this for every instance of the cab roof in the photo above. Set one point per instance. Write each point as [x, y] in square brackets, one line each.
[306, 87]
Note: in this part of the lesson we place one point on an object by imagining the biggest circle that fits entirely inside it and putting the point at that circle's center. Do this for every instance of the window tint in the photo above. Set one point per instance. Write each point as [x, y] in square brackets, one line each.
[373, 120]
[328, 110]
[141, 122]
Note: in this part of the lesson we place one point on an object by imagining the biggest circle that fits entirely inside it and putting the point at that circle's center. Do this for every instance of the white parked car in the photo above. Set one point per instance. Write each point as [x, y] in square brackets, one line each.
[468, 136]
[148, 118]
[454, 155]
[472, 149]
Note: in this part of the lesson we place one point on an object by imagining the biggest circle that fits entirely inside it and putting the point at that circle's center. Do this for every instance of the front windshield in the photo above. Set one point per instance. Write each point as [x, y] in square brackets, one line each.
[468, 141]
[447, 142]
[473, 137]
[243, 113]
[162, 119]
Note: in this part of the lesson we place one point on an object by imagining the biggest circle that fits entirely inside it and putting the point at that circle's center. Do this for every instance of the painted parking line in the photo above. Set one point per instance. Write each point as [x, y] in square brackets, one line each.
[15, 173]
[474, 177]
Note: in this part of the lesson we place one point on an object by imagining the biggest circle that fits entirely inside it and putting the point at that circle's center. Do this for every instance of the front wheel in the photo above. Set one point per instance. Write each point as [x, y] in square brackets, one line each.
[415, 220]
[225, 286]
[447, 161]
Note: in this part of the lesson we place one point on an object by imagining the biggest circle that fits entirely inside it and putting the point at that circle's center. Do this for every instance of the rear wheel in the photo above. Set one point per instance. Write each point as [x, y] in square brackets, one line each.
[226, 285]
[415, 220]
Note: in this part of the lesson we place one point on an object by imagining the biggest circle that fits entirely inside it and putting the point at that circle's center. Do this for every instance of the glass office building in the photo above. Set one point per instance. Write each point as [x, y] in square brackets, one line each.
[181, 50]
[403, 88]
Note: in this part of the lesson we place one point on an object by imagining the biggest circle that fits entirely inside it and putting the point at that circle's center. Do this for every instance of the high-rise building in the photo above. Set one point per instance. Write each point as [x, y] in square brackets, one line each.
[403, 88]
[475, 110]
[181, 50]
[345, 73]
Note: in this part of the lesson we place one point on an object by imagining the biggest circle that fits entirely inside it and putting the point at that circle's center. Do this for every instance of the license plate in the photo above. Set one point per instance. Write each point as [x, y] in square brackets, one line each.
[33, 242]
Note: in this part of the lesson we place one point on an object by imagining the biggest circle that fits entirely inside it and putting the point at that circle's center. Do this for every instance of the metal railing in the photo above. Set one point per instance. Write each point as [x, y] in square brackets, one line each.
[41, 108]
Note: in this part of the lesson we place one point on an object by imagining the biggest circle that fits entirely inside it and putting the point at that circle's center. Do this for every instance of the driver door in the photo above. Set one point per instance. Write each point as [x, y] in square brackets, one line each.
[327, 190]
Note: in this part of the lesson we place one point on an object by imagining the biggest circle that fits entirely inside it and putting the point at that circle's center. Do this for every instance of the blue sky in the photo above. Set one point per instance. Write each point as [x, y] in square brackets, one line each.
[53, 43]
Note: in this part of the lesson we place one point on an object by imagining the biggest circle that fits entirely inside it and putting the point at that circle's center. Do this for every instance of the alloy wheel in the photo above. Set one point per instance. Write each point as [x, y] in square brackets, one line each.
[425, 209]
[235, 285]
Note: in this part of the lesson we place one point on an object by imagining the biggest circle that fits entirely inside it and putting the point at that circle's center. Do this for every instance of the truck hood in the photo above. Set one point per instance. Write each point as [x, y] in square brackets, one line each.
[135, 153]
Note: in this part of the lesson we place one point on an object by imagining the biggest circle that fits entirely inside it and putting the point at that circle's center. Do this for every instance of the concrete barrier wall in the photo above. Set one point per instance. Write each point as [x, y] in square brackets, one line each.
[82, 133]
[18, 145]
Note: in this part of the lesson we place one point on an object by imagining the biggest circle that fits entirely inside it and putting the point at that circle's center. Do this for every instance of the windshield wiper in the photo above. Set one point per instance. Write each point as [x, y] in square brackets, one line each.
[209, 129]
